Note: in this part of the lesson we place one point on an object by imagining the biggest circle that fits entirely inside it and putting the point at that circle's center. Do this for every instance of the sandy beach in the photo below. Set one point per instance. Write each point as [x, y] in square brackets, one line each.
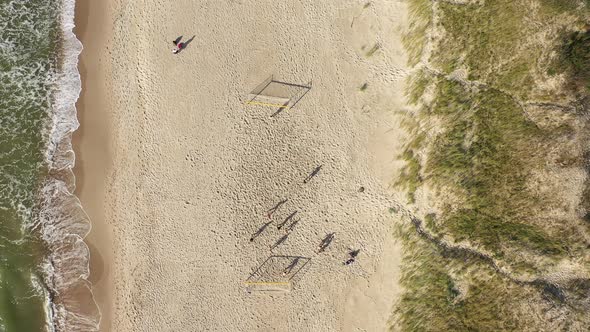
[177, 171]
[91, 144]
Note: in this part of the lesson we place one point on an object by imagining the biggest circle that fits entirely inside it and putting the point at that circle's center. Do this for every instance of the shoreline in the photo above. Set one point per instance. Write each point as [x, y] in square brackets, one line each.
[90, 143]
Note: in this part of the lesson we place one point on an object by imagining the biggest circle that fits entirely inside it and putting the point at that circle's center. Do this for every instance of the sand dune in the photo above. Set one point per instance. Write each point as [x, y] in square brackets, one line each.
[194, 171]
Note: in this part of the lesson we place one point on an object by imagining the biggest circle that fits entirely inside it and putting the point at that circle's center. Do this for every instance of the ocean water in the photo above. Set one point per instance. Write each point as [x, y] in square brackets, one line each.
[43, 260]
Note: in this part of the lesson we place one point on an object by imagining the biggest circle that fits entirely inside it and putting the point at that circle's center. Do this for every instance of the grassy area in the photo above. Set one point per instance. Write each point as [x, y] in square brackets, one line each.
[501, 42]
[561, 6]
[487, 148]
[576, 59]
[446, 293]
[478, 147]
[455, 291]
[415, 39]
[484, 34]
[409, 178]
[416, 86]
[483, 154]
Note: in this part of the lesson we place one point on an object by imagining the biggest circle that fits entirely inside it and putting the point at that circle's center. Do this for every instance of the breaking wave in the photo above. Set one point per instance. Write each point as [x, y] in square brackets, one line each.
[62, 221]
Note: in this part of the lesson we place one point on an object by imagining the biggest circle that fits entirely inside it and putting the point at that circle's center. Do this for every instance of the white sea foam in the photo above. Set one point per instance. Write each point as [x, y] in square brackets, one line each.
[62, 221]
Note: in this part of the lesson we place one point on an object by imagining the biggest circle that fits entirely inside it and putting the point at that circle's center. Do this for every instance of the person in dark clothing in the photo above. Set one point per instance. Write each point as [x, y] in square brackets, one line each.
[178, 48]
[349, 261]
[353, 255]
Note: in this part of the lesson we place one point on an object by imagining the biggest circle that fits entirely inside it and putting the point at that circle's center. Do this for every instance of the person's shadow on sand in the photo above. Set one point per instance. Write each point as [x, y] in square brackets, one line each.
[182, 45]
[185, 44]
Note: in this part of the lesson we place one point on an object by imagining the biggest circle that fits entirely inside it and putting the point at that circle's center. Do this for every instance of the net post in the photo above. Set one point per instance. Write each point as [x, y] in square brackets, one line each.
[258, 89]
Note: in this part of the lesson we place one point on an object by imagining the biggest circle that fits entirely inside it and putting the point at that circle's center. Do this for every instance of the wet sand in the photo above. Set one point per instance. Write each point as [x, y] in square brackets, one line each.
[91, 144]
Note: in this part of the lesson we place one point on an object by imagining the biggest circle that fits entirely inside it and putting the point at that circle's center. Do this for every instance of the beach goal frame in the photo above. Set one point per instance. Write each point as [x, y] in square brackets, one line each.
[291, 94]
[276, 274]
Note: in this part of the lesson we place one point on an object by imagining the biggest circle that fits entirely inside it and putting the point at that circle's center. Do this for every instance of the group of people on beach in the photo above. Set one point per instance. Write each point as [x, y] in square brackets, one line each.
[326, 242]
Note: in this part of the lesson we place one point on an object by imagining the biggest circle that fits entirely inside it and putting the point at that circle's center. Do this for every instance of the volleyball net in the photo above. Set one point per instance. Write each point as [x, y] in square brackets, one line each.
[277, 94]
[276, 273]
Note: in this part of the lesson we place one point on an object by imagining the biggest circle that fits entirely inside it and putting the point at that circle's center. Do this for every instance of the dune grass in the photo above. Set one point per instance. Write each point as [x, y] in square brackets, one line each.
[474, 143]
[487, 37]
[416, 86]
[414, 40]
[409, 178]
[575, 58]
[488, 148]
[561, 6]
[484, 155]
[448, 293]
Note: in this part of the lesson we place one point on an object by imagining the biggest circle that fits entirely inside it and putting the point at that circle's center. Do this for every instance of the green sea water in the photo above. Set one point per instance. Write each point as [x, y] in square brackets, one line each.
[29, 63]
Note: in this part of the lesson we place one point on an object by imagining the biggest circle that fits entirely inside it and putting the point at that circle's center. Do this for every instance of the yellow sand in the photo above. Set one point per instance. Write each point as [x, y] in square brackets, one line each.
[187, 171]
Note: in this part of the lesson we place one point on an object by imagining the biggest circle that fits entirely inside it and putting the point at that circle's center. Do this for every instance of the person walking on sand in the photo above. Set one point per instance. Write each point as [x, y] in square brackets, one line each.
[259, 231]
[325, 242]
[289, 268]
[177, 44]
[313, 173]
[179, 47]
[352, 255]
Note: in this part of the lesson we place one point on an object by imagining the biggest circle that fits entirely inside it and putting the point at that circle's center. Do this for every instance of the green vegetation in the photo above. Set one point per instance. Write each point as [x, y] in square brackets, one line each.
[456, 291]
[561, 6]
[486, 148]
[487, 36]
[409, 178]
[364, 86]
[416, 86]
[573, 59]
[482, 156]
[415, 39]
[576, 55]
[497, 42]
[448, 293]
[477, 145]
[430, 220]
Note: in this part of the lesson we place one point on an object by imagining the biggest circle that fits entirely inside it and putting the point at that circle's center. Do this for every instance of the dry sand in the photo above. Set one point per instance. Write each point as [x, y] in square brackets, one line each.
[177, 173]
